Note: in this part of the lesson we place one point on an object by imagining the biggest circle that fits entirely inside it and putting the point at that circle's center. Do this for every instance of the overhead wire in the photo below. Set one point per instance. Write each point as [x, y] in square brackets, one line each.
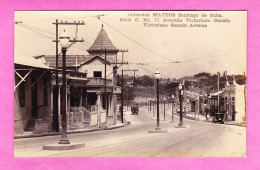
[36, 31]
[82, 48]
[135, 41]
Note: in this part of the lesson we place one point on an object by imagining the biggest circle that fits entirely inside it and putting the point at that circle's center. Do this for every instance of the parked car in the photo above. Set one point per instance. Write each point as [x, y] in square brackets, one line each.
[135, 109]
[218, 118]
[215, 116]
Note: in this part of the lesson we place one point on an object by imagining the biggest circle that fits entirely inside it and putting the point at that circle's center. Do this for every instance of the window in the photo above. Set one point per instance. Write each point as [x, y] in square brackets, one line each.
[22, 94]
[97, 74]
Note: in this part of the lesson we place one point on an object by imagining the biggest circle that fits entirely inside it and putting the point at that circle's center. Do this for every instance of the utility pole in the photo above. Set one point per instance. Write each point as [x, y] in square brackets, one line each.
[134, 70]
[134, 76]
[123, 51]
[105, 88]
[127, 98]
[122, 96]
[218, 91]
[122, 93]
[55, 124]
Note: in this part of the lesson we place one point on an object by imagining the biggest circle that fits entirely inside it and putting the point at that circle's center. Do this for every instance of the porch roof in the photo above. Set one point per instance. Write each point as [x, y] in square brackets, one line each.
[31, 62]
[216, 94]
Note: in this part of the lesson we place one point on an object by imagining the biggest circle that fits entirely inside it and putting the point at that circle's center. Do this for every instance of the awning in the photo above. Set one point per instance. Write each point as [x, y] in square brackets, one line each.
[216, 94]
[31, 62]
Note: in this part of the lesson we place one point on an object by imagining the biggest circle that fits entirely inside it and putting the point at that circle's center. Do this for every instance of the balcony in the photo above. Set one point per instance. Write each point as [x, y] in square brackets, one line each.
[98, 81]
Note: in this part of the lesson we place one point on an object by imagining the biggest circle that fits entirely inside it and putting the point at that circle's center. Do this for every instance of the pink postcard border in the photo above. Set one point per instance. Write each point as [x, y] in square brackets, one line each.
[7, 161]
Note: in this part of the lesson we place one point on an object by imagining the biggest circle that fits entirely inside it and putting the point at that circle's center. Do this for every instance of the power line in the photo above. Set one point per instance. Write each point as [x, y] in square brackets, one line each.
[35, 31]
[135, 41]
[194, 59]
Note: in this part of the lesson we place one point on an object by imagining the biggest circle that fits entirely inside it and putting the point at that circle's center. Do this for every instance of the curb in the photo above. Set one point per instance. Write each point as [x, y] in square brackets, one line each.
[234, 124]
[69, 132]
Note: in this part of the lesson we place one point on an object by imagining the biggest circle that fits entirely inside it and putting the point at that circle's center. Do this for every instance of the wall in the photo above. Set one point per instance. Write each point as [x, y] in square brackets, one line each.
[240, 105]
[97, 65]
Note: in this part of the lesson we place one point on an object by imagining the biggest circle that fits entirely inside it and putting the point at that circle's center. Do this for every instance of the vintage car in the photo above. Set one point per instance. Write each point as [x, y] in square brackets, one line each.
[218, 118]
[135, 109]
[215, 116]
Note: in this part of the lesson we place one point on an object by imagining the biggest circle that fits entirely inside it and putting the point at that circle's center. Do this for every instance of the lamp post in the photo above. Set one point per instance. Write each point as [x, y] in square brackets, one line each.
[158, 128]
[172, 110]
[164, 108]
[147, 103]
[64, 143]
[180, 98]
[64, 42]
[153, 106]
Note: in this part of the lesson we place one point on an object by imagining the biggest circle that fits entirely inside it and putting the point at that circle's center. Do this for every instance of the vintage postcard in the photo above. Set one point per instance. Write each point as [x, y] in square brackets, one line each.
[130, 83]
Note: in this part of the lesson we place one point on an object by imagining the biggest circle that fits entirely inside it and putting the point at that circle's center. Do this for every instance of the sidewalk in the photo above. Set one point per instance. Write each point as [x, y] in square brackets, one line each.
[203, 118]
[200, 117]
[102, 127]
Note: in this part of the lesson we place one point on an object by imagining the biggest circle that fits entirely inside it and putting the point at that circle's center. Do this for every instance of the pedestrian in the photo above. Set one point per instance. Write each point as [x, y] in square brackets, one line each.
[206, 113]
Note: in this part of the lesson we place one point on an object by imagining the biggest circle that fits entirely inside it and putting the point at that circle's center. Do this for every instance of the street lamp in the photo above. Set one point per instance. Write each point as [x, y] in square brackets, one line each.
[153, 106]
[64, 42]
[172, 109]
[180, 98]
[164, 108]
[147, 105]
[158, 128]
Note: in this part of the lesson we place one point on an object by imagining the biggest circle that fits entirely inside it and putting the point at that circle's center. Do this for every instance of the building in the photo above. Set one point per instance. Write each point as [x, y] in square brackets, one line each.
[32, 96]
[87, 84]
[102, 70]
[235, 102]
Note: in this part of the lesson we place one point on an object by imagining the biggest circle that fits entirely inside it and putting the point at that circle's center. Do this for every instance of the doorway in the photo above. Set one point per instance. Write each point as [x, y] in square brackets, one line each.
[34, 99]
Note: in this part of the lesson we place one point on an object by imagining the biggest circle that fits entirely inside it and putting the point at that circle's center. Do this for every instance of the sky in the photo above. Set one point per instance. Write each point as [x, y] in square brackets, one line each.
[174, 51]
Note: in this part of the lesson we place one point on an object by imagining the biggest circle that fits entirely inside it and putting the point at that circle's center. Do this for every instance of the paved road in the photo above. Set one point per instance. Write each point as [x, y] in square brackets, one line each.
[198, 139]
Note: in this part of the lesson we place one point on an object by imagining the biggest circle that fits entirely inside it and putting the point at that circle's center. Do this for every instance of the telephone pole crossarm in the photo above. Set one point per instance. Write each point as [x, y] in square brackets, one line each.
[69, 23]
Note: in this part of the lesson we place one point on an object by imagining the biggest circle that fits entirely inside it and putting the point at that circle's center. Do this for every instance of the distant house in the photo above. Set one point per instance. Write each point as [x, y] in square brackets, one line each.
[235, 102]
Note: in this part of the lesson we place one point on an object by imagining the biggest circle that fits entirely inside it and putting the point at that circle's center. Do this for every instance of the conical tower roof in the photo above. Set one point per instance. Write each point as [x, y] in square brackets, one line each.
[102, 42]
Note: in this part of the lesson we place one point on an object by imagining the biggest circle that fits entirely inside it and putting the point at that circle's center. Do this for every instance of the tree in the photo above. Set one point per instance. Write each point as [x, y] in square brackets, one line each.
[147, 81]
[170, 88]
[202, 74]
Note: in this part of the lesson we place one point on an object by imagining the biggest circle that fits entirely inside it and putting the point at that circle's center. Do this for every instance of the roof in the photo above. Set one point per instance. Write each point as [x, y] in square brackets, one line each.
[71, 60]
[102, 42]
[31, 62]
[216, 94]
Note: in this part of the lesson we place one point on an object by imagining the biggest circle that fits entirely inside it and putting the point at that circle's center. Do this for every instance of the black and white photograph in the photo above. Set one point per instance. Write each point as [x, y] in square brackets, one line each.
[130, 83]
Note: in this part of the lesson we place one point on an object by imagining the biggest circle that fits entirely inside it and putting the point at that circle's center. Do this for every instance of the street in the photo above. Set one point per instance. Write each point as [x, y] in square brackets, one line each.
[198, 139]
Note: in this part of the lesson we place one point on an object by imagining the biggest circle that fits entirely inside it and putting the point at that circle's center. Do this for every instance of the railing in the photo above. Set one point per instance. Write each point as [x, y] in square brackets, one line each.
[80, 117]
[78, 74]
[99, 81]
[78, 114]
